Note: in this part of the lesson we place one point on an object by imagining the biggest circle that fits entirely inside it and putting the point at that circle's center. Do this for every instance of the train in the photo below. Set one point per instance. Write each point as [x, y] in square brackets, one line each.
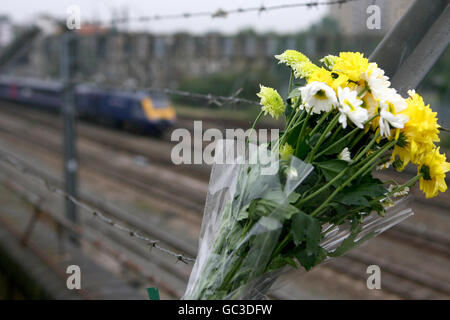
[138, 111]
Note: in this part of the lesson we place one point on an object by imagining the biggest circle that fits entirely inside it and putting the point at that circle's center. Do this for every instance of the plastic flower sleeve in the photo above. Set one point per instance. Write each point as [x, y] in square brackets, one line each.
[248, 205]
[372, 225]
[221, 266]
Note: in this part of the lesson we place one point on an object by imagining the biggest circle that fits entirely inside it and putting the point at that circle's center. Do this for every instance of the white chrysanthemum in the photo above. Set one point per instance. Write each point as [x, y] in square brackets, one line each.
[396, 99]
[389, 114]
[349, 106]
[345, 155]
[318, 97]
[377, 81]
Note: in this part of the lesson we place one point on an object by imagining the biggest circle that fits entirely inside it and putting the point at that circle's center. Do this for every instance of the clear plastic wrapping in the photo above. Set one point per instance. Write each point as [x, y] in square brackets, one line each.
[235, 259]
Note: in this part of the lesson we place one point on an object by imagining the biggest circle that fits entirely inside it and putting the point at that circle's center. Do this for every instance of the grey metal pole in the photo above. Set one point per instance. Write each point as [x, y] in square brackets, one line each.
[421, 35]
[69, 117]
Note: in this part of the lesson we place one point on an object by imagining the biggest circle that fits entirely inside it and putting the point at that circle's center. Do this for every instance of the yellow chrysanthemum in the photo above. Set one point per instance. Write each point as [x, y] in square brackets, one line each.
[341, 81]
[325, 76]
[421, 131]
[321, 75]
[291, 57]
[433, 166]
[286, 152]
[271, 102]
[353, 64]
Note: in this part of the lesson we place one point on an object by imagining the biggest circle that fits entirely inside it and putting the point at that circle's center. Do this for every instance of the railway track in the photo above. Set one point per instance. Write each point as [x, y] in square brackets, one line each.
[158, 151]
[437, 243]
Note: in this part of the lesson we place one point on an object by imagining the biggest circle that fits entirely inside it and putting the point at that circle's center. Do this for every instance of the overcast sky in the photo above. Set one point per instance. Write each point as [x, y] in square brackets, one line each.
[285, 20]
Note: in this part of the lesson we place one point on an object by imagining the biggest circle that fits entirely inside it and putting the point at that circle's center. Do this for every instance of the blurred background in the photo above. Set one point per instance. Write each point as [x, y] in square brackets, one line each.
[178, 55]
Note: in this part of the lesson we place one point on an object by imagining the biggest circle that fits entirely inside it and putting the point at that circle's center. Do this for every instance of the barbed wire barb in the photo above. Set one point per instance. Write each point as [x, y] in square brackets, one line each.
[223, 13]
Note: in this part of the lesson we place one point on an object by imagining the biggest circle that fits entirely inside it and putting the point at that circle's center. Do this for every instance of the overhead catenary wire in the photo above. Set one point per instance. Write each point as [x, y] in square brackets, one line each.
[153, 243]
[222, 13]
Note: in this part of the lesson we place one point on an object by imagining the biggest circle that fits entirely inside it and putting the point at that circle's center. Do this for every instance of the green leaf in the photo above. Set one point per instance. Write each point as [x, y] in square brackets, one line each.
[340, 208]
[338, 147]
[360, 194]
[334, 165]
[279, 262]
[309, 257]
[353, 199]
[305, 229]
[269, 208]
[302, 149]
[279, 196]
[331, 168]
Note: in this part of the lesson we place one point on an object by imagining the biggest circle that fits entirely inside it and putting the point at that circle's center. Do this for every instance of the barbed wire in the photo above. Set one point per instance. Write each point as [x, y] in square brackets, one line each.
[211, 98]
[222, 13]
[153, 243]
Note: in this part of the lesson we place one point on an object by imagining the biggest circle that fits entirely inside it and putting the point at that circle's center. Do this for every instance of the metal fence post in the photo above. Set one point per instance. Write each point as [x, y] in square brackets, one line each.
[414, 44]
[69, 118]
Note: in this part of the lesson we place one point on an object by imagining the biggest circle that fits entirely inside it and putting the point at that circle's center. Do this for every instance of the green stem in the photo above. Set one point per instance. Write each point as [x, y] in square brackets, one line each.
[289, 127]
[367, 148]
[253, 127]
[319, 123]
[297, 149]
[356, 140]
[280, 247]
[323, 188]
[323, 136]
[297, 111]
[291, 81]
[348, 135]
[286, 133]
[408, 183]
[363, 168]
[335, 133]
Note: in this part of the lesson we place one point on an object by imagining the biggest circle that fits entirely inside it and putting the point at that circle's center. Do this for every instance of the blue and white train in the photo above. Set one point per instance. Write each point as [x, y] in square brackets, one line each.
[137, 110]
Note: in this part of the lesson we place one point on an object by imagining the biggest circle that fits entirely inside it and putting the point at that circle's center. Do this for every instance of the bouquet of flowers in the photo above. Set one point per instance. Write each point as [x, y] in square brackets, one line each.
[343, 121]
